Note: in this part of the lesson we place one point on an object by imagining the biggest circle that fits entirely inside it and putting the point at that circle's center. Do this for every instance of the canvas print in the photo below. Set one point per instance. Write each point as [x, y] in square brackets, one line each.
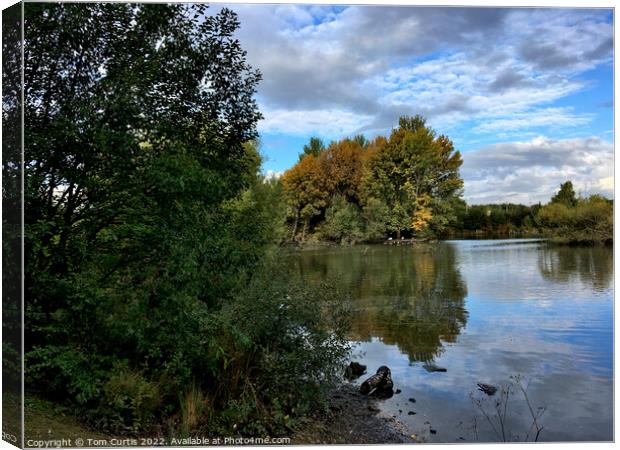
[298, 224]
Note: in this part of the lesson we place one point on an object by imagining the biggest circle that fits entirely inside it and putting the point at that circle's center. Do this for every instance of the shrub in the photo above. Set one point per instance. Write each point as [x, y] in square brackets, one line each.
[343, 222]
[376, 215]
[280, 360]
[129, 400]
[589, 222]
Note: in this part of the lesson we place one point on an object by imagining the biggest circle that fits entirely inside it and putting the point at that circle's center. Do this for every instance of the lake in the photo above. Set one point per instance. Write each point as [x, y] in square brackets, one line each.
[486, 311]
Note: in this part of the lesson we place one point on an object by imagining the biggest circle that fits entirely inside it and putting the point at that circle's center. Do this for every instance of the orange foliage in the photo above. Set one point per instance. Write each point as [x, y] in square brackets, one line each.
[342, 166]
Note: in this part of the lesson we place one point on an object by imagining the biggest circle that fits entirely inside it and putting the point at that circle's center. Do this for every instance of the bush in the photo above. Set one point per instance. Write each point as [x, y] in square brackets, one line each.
[280, 360]
[130, 399]
[343, 222]
[376, 215]
[589, 222]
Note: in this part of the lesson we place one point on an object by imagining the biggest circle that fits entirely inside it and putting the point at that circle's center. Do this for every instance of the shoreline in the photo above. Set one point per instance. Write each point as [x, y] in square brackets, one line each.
[353, 418]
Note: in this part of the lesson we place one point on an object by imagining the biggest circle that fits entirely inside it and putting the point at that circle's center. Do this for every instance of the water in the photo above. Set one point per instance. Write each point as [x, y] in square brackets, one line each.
[484, 311]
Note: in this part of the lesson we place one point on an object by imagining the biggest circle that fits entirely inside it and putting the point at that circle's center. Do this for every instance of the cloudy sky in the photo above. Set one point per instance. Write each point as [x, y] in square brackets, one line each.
[525, 94]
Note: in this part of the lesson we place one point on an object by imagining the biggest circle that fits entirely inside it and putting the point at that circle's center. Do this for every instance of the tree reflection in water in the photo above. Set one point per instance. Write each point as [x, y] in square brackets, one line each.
[592, 266]
[410, 296]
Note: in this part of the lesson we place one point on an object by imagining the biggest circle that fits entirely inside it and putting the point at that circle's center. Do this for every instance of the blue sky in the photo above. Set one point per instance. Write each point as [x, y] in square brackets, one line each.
[525, 94]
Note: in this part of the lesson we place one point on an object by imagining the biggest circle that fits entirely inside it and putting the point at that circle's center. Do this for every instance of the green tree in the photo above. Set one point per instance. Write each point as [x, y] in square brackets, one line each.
[148, 228]
[361, 140]
[376, 216]
[566, 195]
[590, 221]
[12, 27]
[414, 168]
[145, 216]
[343, 222]
[313, 148]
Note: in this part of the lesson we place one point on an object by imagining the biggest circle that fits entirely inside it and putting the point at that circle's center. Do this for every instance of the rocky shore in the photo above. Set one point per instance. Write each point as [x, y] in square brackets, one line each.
[353, 418]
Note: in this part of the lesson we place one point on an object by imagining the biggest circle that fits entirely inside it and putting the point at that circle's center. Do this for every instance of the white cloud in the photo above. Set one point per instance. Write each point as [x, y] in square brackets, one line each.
[606, 184]
[548, 117]
[330, 123]
[532, 171]
[495, 69]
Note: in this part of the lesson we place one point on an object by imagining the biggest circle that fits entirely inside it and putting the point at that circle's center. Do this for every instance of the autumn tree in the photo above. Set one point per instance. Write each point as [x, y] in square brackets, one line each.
[307, 192]
[342, 167]
[415, 173]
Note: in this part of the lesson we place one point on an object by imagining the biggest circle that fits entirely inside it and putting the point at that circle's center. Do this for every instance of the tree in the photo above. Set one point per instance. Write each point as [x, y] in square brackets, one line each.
[413, 124]
[319, 176]
[342, 168]
[376, 216]
[566, 195]
[361, 140]
[306, 192]
[590, 221]
[12, 27]
[343, 222]
[137, 118]
[313, 148]
[411, 168]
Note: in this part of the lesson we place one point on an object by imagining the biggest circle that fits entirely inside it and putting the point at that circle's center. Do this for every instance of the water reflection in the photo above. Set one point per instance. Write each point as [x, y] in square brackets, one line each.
[485, 311]
[412, 297]
[591, 266]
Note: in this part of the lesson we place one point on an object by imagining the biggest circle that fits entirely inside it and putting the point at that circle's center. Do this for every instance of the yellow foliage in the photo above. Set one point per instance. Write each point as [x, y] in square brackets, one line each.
[422, 215]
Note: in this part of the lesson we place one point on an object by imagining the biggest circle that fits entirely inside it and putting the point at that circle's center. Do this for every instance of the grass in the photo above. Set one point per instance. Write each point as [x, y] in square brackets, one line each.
[45, 421]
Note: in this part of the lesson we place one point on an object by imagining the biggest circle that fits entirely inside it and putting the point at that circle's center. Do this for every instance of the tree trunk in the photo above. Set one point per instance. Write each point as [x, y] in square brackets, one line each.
[295, 225]
[382, 380]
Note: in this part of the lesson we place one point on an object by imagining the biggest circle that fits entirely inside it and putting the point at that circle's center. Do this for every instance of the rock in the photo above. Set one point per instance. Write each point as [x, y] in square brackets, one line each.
[434, 368]
[487, 388]
[354, 370]
[412, 413]
[381, 381]
[412, 400]
[382, 393]
[433, 431]
[398, 391]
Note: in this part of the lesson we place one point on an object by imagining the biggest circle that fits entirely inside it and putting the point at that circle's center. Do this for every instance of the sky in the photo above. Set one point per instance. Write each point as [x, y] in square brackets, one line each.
[525, 94]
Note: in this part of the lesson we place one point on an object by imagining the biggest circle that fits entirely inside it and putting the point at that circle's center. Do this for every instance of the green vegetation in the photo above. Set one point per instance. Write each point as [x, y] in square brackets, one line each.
[409, 186]
[46, 420]
[587, 221]
[496, 220]
[355, 190]
[149, 232]
[566, 195]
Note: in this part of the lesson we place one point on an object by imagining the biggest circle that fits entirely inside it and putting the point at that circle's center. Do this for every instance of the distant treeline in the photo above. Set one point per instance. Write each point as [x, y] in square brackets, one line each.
[496, 219]
[408, 185]
[358, 190]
